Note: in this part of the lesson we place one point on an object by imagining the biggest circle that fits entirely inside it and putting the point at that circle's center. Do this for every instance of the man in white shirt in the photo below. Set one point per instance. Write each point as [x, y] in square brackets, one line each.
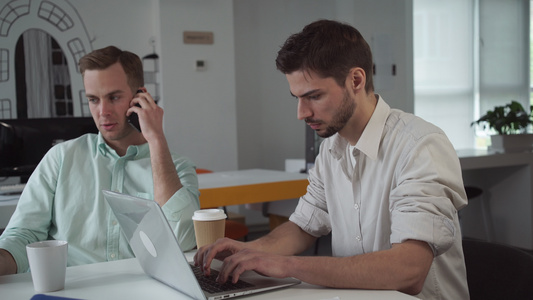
[386, 184]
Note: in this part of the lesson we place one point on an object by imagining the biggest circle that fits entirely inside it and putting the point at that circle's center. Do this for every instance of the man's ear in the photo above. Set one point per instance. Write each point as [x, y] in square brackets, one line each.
[356, 80]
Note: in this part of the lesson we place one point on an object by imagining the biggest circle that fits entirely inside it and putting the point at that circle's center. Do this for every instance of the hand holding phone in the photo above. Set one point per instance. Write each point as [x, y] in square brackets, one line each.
[133, 118]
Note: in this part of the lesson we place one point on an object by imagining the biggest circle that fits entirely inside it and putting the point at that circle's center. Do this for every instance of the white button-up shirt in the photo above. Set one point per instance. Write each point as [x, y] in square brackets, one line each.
[406, 183]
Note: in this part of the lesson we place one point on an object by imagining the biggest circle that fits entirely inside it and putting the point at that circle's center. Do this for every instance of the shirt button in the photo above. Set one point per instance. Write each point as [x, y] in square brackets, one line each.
[112, 255]
[358, 238]
[356, 206]
[114, 223]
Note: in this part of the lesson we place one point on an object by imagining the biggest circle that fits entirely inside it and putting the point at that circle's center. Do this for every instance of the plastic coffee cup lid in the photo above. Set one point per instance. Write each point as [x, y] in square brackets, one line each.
[209, 215]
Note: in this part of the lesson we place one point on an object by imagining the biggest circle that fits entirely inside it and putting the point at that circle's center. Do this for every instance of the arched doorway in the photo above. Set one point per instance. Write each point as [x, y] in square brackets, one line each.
[42, 77]
[59, 20]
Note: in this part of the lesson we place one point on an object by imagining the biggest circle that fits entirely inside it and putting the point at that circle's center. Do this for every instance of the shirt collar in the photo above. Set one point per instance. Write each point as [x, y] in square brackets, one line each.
[371, 136]
[132, 152]
[103, 148]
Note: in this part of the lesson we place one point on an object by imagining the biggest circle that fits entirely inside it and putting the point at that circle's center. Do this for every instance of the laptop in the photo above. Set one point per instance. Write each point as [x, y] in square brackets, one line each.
[159, 254]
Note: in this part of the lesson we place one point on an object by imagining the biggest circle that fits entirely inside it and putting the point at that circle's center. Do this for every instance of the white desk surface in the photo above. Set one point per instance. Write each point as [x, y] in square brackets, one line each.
[245, 177]
[124, 279]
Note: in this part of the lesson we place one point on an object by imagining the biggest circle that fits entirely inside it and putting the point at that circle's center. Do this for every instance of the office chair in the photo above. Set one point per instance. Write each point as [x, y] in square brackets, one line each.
[497, 271]
[234, 230]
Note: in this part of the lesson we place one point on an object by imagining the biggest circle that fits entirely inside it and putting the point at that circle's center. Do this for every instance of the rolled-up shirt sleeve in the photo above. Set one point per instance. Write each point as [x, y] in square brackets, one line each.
[181, 206]
[311, 213]
[421, 203]
[437, 231]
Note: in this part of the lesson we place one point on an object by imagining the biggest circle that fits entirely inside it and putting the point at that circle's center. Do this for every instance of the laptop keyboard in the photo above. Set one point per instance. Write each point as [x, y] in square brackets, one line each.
[209, 283]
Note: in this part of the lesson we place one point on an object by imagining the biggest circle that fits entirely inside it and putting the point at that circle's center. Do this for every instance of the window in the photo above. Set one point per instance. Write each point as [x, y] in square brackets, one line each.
[468, 57]
[4, 65]
[443, 66]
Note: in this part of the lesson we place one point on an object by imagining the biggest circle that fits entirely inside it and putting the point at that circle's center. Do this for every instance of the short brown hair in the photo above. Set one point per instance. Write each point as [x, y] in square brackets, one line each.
[330, 49]
[103, 58]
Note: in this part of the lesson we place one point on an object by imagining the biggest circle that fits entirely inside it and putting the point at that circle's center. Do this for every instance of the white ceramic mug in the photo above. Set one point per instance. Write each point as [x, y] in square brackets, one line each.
[48, 264]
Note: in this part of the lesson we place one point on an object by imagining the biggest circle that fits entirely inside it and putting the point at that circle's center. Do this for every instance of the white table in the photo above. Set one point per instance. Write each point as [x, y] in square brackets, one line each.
[124, 279]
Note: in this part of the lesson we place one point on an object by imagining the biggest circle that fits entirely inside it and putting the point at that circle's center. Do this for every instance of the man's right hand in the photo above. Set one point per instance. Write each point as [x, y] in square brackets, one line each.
[220, 249]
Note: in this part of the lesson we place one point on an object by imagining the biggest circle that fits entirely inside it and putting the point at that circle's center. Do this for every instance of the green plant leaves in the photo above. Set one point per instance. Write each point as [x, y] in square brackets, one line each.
[508, 119]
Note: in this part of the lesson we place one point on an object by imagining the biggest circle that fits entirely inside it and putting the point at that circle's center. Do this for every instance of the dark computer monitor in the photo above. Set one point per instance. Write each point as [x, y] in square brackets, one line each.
[24, 142]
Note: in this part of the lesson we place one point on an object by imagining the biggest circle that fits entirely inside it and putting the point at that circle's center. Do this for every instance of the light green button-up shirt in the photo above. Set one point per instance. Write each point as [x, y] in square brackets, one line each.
[63, 200]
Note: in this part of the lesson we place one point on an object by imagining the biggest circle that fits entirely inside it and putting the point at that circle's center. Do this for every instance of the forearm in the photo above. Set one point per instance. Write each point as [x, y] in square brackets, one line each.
[165, 176]
[286, 239]
[403, 268]
[7, 263]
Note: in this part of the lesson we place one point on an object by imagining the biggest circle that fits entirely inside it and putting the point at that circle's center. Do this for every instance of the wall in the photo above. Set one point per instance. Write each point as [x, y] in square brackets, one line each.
[200, 120]
[127, 24]
[238, 113]
[268, 131]
[200, 113]
[267, 127]
[88, 24]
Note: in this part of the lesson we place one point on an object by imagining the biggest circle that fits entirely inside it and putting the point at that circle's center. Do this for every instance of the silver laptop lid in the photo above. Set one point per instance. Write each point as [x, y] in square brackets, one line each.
[141, 222]
[160, 256]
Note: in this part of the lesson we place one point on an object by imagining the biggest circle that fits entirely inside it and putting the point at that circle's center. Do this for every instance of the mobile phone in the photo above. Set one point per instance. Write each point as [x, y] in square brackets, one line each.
[133, 118]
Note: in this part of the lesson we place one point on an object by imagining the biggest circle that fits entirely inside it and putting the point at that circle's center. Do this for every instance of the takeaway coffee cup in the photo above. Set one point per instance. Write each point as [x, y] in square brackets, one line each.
[209, 225]
[48, 264]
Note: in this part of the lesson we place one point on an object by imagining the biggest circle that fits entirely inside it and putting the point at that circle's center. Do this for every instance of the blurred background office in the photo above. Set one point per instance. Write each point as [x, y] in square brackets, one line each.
[227, 107]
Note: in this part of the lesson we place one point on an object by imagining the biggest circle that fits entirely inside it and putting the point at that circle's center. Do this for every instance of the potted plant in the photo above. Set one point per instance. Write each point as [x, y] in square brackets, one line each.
[511, 122]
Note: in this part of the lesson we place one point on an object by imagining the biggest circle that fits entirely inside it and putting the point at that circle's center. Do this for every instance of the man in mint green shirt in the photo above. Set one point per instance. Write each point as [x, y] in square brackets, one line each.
[63, 200]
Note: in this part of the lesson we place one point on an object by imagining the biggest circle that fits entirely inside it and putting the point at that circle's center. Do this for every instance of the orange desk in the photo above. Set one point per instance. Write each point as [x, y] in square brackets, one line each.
[249, 186]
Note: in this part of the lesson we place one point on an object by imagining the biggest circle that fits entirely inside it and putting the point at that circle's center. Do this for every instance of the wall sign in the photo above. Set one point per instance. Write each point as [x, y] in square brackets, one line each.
[198, 37]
